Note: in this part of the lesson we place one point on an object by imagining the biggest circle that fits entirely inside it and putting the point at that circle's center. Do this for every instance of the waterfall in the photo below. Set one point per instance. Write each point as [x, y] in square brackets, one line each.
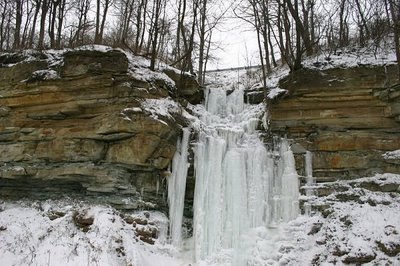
[176, 188]
[240, 184]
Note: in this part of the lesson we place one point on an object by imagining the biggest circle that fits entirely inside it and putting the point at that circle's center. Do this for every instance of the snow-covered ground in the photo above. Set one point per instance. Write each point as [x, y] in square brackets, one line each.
[355, 225]
[342, 58]
[46, 233]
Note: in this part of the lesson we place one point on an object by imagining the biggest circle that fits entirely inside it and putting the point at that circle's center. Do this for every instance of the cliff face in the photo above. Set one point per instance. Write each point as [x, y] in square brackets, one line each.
[346, 117]
[73, 123]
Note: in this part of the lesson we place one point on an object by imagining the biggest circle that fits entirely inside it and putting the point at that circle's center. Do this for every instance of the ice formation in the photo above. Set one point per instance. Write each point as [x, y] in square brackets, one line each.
[309, 180]
[240, 184]
[176, 188]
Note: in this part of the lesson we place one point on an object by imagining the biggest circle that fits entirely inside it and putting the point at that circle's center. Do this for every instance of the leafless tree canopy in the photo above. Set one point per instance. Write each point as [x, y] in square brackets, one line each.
[180, 32]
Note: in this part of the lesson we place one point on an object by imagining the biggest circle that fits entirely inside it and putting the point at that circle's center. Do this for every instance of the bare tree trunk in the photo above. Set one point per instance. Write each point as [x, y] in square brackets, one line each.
[395, 12]
[8, 34]
[363, 26]
[139, 27]
[97, 28]
[2, 26]
[208, 44]
[53, 14]
[300, 27]
[263, 23]
[151, 29]
[33, 29]
[158, 9]
[342, 39]
[45, 7]
[144, 24]
[202, 33]
[188, 66]
[107, 5]
[28, 20]
[181, 17]
[61, 14]
[18, 21]
[271, 46]
[257, 25]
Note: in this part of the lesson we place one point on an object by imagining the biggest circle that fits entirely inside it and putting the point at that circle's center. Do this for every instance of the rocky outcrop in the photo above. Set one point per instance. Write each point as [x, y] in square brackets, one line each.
[187, 85]
[346, 117]
[73, 124]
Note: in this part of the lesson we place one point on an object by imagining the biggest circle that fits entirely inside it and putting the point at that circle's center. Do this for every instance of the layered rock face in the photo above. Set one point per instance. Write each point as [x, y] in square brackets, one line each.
[74, 126]
[348, 118]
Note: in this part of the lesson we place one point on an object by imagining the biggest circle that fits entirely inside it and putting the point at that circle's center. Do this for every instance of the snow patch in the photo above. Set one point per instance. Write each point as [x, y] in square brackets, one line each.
[392, 155]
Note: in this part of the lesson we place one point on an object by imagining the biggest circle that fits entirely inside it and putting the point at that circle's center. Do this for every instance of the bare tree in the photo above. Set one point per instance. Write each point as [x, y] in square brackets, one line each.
[60, 15]
[394, 7]
[207, 22]
[45, 9]
[52, 21]
[4, 22]
[37, 4]
[102, 8]
[159, 5]
[19, 4]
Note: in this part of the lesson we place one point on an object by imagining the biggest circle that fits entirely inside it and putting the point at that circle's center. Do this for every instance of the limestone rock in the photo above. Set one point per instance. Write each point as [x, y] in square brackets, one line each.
[70, 150]
[20, 71]
[346, 117]
[187, 85]
[81, 62]
[140, 150]
[76, 134]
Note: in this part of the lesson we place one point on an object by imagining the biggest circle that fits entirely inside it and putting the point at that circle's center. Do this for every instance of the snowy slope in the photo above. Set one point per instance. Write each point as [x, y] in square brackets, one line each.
[365, 227]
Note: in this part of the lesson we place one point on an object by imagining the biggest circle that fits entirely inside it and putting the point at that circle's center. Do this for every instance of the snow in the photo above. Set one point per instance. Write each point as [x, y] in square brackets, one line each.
[47, 74]
[353, 228]
[164, 107]
[139, 68]
[344, 58]
[392, 154]
[352, 57]
[29, 237]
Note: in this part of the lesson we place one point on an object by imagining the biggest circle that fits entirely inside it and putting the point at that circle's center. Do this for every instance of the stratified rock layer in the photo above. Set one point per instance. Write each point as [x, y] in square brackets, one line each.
[82, 132]
[347, 117]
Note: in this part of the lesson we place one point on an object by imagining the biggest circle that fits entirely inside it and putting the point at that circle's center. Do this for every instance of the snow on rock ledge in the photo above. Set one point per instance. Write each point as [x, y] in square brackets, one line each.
[72, 123]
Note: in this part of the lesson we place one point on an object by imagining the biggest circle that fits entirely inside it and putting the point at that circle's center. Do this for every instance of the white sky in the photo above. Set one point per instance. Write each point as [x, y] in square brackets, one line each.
[238, 44]
[239, 48]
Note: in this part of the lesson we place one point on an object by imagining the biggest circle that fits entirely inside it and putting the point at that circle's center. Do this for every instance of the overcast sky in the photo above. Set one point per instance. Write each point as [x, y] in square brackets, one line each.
[238, 46]
[237, 41]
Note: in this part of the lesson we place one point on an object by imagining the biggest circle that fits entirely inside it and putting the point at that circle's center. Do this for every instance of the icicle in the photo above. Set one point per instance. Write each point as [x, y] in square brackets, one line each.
[176, 188]
[308, 168]
[309, 180]
[239, 183]
[289, 184]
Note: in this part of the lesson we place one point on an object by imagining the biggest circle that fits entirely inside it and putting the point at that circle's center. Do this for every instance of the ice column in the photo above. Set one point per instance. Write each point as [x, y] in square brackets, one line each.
[308, 168]
[176, 188]
[289, 184]
[239, 183]
[309, 180]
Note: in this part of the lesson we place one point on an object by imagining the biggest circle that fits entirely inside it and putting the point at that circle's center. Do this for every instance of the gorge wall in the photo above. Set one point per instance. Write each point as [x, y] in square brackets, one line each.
[347, 117]
[72, 123]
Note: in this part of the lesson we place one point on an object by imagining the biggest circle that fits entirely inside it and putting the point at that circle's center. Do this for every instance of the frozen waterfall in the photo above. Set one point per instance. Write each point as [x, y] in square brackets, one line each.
[310, 182]
[176, 188]
[240, 184]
